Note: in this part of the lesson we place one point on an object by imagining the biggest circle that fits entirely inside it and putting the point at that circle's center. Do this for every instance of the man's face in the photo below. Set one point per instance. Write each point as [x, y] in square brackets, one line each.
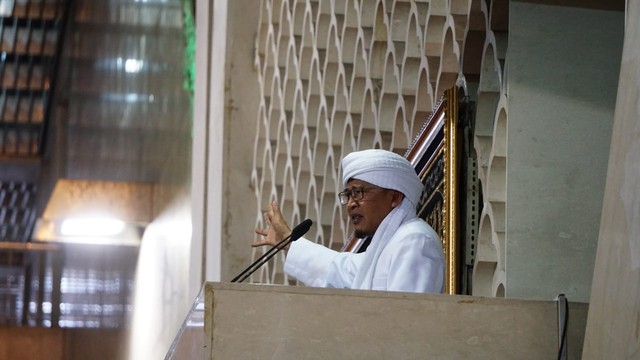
[367, 213]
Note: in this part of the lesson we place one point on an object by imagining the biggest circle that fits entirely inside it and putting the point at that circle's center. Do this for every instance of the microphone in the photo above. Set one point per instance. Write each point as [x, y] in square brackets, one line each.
[300, 230]
[296, 234]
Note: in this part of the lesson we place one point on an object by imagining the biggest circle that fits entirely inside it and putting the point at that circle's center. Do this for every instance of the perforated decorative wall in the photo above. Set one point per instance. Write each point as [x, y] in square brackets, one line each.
[342, 75]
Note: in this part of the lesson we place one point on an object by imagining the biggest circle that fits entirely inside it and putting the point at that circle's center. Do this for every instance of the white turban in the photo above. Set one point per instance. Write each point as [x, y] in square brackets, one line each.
[385, 169]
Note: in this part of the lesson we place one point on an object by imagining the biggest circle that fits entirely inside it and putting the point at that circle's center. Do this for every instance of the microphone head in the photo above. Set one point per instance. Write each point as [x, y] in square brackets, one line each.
[301, 229]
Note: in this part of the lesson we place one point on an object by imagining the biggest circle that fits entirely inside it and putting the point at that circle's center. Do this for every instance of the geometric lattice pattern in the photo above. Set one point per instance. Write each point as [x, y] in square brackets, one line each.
[343, 75]
[490, 144]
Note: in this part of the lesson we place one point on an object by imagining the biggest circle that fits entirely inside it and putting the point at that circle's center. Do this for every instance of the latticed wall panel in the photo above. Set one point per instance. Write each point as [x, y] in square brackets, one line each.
[343, 75]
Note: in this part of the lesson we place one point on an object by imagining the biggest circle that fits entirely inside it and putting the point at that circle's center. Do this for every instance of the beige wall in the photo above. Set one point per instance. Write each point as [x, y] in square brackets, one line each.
[225, 113]
[240, 117]
[312, 323]
[614, 314]
[561, 100]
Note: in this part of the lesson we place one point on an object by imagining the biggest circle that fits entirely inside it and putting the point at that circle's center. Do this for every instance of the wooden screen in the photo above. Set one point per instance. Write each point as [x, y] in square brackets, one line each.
[433, 154]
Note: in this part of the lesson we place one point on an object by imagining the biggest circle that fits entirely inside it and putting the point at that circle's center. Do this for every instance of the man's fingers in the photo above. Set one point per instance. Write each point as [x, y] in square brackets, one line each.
[256, 244]
[274, 209]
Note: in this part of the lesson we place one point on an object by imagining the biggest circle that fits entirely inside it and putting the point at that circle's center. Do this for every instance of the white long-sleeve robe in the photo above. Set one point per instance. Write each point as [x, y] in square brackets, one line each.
[412, 261]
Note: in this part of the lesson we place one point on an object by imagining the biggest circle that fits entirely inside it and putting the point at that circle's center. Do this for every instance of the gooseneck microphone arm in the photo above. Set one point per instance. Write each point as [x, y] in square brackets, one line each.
[296, 234]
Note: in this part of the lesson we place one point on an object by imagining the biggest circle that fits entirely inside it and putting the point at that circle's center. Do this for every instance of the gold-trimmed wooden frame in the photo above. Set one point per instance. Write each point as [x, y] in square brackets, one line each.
[434, 155]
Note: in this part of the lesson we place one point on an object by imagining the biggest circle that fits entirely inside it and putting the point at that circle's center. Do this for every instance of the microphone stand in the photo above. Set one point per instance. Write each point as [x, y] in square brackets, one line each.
[266, 256]
[297, 233]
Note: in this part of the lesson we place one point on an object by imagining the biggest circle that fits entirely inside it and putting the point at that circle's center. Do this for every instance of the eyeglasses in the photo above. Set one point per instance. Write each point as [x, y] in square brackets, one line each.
[356, 193]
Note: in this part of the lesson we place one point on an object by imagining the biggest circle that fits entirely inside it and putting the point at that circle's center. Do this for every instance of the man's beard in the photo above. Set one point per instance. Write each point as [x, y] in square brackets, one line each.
[360, 234]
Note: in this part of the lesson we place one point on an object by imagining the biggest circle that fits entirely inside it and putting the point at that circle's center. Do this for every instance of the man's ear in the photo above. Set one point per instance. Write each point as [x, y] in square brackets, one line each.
[396, 199]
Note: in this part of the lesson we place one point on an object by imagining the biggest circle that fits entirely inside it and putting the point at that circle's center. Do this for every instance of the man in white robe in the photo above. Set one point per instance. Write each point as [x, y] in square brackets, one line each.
[381, 191]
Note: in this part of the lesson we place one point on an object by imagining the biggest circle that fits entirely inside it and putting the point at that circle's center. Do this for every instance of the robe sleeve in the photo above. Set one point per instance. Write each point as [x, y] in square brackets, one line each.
[318, 266]
[417, 266]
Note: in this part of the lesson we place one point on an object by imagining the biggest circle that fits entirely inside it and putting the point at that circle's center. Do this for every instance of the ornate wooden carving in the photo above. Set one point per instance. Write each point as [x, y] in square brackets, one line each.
[434, 155]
